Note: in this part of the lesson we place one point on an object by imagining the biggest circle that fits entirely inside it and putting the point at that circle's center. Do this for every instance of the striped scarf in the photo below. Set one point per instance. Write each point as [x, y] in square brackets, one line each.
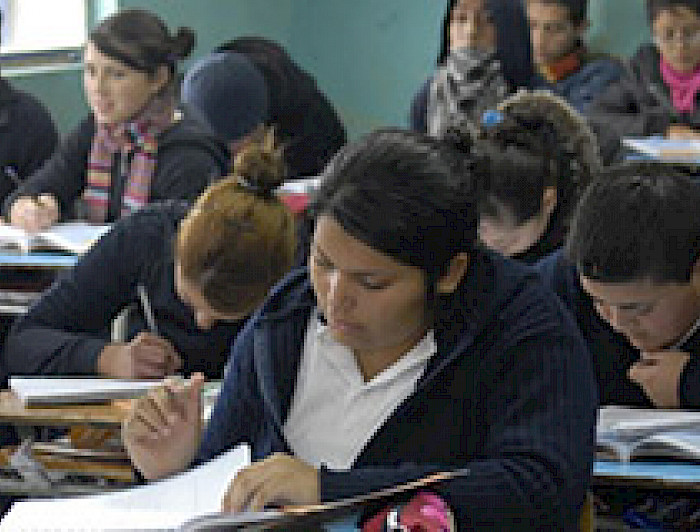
[136, 140]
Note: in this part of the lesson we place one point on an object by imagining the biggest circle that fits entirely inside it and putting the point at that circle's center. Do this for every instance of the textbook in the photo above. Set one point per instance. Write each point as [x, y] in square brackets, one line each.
[665, 150]
[68, 237]
[77, 390]
[637, 433]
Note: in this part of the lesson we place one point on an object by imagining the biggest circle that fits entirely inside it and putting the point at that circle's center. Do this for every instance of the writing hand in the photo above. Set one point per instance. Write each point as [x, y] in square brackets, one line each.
[681, 132]
[146, 356]
[34, 214]
[162, 430]
[659, 375]
[279, 479]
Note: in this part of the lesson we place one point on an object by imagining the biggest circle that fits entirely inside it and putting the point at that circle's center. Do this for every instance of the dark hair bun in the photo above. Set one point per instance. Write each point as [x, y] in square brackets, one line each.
[183, 42]
[259, 164]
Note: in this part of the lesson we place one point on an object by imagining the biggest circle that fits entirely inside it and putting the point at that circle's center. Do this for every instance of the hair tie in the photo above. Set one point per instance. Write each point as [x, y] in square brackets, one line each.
[254, 188]
[492, 118]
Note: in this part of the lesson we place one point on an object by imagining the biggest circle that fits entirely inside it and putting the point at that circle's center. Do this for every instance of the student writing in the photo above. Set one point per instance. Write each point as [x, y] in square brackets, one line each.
[204, 268]
[133, 148]
[403, 350]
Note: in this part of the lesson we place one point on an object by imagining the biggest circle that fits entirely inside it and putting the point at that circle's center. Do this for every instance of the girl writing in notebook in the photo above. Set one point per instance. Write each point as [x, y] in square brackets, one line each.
[201, 271]
[134, 148]
[403, 350]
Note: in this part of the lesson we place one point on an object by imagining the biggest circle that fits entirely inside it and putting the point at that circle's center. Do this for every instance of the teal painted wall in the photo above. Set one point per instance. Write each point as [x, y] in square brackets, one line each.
[369, 56]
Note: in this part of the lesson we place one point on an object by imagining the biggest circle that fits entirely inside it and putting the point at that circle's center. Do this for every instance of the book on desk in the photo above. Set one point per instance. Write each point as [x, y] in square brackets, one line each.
[664, 150]
[68, 237]
[638, 433]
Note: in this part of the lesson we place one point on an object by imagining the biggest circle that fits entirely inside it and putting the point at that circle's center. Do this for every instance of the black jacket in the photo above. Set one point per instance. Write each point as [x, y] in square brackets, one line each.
[189, 158]
[509, 395]
[64, 332]
[27, 133]
[637, 105]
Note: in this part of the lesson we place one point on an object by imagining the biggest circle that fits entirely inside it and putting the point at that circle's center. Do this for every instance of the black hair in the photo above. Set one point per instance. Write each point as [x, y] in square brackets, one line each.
[404, 194]
[654, 7]
[578, 9]
[307, 126]
[540, 141]
[142, 41]
[637, 222]
[513, 47]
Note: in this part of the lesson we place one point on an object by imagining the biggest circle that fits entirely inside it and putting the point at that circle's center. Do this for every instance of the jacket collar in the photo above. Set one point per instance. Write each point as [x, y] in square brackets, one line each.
[460, 318]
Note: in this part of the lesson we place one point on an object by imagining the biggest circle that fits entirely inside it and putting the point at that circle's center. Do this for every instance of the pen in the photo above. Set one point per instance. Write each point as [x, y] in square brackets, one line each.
[147, 310]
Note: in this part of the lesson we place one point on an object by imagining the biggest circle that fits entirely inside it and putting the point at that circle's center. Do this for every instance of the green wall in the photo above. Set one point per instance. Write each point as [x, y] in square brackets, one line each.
[369, 56]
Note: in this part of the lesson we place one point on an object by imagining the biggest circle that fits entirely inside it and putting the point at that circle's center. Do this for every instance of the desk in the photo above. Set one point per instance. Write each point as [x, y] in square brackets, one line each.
[67, 474]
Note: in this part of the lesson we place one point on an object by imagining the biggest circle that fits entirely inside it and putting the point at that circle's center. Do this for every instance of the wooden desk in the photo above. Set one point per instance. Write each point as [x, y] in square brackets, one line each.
[102, 415]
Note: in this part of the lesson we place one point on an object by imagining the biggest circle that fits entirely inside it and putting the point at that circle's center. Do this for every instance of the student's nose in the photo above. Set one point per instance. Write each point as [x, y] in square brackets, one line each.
[339, 291]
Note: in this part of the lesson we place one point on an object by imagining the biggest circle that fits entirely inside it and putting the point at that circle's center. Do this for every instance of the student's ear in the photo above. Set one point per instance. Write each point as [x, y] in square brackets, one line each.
[581, 29]
[549, 200]
[161, 78]
[459, 265]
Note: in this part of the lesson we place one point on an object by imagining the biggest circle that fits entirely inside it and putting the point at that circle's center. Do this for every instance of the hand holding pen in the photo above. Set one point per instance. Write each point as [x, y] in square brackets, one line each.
[148, 355]
[34, 213]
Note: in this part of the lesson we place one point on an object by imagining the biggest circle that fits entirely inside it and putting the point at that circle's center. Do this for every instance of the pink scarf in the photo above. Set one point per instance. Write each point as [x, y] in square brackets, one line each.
[137, 139]
[684, 87]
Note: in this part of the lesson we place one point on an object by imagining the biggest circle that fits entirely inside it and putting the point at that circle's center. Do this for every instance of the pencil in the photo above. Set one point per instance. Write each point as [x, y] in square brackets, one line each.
[147, 309]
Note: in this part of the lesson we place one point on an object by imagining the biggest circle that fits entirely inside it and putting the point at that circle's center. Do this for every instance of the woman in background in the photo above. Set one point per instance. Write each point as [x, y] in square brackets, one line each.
[134, 148]
[204, 269]
[484, 29]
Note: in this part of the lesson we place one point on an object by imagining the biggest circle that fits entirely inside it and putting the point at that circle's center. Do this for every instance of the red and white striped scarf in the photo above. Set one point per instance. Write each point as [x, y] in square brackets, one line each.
[138, 140]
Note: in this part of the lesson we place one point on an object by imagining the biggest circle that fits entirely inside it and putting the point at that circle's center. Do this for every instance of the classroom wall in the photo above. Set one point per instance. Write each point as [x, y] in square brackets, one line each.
[369, 56]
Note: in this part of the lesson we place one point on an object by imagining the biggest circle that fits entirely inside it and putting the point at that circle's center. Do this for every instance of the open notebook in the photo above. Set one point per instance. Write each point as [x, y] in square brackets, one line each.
[162, 505]
[68, 237]
[665, 150]
[635, 433]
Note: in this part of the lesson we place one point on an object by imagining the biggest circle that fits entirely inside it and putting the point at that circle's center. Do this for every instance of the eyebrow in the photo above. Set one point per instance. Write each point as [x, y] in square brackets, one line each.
[356, 273]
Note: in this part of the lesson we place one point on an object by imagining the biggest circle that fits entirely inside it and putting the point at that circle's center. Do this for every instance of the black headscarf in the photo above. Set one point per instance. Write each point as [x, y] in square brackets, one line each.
[513, 46]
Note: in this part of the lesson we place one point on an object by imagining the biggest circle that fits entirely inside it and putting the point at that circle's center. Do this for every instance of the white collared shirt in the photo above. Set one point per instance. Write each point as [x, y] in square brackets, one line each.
[334, 412]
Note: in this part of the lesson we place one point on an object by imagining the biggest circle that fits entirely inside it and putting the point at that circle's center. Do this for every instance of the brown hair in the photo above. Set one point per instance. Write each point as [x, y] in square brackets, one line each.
[142, 41]
[239, 239]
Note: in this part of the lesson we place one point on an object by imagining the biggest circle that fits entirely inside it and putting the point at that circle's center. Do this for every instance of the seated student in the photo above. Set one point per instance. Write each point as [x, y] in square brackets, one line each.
[133, 148]
[566, 67]
[540, 154]
[204, 270]
[494, 45]
[659, 93]
[253, 79]
[403, 350]
[634, 250]
[28, 136]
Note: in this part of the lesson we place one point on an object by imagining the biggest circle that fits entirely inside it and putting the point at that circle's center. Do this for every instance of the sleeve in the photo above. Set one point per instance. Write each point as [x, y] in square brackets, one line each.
[537, 458]
[40, 143]
[238, 407]
[63, 174]
[184, 173]
[620, 111]
[65, 331]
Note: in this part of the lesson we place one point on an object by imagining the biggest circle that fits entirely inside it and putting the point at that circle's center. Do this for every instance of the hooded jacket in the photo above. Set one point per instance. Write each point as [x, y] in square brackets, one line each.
[509, 395]
[189, 158]
[28, 136]
[637, 105]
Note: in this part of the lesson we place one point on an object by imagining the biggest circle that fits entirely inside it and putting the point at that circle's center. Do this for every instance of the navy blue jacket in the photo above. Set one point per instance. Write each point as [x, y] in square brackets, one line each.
[28, 136]
[509, 394]
[65, 331]
[582, 87]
